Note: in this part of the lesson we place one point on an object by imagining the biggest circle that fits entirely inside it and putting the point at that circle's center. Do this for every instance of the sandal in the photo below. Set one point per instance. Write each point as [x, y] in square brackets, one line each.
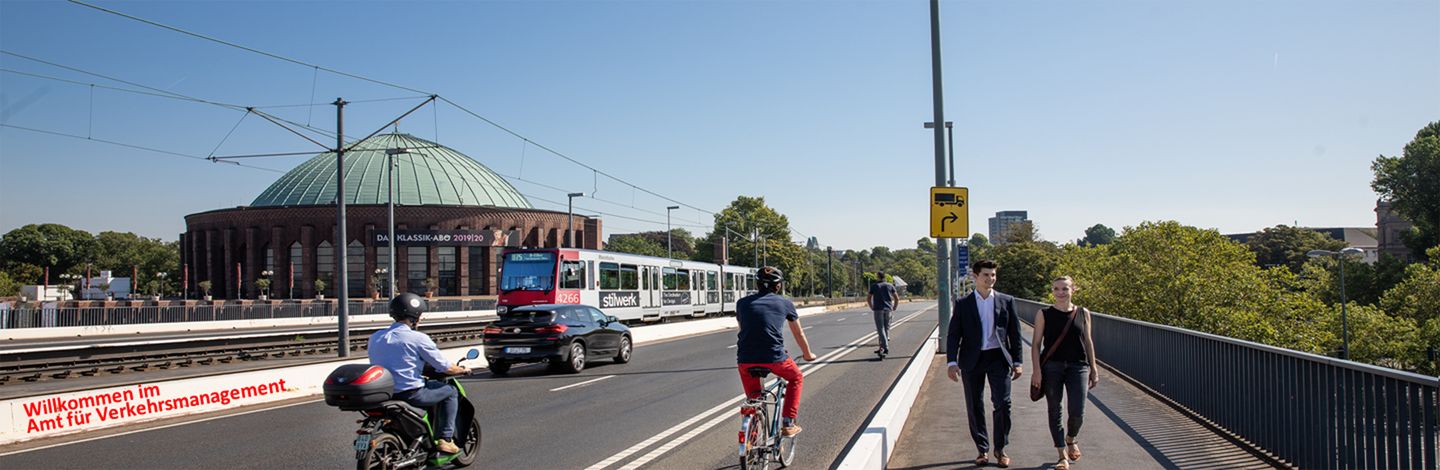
[1002, 460]
[1072, 450]
[982, 461]
[1062, 465]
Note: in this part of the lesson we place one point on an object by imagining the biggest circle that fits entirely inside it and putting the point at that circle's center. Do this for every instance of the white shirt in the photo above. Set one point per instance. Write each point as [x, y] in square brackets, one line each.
[986, 308]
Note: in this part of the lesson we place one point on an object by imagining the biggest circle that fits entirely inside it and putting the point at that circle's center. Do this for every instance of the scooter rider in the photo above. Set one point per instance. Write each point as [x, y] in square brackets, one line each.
[405, 352]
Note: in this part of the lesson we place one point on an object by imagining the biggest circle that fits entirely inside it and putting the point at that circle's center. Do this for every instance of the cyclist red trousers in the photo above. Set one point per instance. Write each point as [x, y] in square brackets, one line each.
[786, 370]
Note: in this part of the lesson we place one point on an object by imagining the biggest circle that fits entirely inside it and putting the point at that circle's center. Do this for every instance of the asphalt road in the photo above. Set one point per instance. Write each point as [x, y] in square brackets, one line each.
[674, 406]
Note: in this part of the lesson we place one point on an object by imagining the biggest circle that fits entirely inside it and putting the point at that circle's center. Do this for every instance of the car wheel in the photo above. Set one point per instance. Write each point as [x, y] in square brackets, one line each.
[577, 358]
[499, 369]
[625, 350]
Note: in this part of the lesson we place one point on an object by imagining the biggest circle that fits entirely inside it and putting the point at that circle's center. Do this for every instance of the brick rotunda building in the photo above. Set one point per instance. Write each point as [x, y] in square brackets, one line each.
[453, 216]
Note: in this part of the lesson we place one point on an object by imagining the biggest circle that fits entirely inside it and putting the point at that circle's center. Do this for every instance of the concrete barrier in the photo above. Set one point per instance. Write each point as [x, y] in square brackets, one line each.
[32, 334]
[877, 442]
[34, 417]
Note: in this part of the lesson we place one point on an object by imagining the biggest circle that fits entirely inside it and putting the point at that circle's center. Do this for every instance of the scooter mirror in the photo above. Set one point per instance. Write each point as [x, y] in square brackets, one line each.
[472, 354]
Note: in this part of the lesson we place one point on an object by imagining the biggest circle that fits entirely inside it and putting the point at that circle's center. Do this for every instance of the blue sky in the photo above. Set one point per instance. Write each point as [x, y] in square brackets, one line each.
[1235, 115]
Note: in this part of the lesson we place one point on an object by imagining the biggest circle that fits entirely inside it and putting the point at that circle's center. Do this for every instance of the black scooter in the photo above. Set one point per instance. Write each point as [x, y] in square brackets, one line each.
[395, 434]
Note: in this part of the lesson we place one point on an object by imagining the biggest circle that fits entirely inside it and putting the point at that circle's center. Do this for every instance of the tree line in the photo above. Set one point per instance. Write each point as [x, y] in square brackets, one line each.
[25, 252]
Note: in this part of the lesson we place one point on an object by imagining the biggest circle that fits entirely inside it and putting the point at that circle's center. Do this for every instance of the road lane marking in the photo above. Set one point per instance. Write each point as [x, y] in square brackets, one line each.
[819, 363]
[730, 347]
[107, 436]
[581, 384]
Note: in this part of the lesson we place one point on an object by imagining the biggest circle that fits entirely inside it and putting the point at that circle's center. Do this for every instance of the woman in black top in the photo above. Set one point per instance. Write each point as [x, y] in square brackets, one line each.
[1069, 368]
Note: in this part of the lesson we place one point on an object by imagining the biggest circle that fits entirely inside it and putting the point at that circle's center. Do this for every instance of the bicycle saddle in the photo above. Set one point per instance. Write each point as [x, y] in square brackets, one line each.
[758, 372]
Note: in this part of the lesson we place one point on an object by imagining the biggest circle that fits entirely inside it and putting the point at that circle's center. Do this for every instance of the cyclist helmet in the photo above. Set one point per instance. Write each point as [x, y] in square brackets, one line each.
[769, 277]
[407, 305]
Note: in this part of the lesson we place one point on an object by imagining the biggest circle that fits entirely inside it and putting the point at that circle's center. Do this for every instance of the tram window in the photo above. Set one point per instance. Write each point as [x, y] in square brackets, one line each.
[592, 274]
[645, 278]
[682, 278]
[629, 280]
[572, 275]
[710, 279]
[609, 276]
[670, 282]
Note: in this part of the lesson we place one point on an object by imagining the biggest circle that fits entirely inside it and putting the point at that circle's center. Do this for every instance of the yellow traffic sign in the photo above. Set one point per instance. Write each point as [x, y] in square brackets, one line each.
[949, 212]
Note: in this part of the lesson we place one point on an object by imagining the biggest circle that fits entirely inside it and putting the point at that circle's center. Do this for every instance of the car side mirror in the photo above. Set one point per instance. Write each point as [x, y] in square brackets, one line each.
[611, 319]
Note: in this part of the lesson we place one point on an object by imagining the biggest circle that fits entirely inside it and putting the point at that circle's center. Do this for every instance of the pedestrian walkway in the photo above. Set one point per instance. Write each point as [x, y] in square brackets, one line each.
[1124, 428]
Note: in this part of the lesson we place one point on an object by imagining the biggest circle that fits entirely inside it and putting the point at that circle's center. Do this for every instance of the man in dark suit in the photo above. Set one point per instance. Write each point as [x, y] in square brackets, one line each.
[983, 343]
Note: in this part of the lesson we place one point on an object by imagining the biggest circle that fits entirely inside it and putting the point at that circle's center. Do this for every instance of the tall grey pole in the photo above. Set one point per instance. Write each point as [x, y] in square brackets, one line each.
[570, 222]
[755, 241]
[669, 250]
[829, 272]
[954, 244]
[390, 184]
[1344, 321]
[344, 295]
[942, 251]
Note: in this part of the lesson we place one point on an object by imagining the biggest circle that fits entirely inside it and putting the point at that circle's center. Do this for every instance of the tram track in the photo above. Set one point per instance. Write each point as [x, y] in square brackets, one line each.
[101, 359]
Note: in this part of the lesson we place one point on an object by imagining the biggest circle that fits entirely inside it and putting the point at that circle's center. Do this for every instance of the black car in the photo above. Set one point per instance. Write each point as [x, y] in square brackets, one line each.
[566, 336]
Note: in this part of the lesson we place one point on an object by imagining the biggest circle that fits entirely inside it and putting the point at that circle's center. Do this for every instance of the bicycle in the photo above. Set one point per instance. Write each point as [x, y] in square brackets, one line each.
[761, 442]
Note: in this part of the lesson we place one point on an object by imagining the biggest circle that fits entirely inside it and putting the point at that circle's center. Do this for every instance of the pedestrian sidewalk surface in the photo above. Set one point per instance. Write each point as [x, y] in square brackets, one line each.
[1124, 428]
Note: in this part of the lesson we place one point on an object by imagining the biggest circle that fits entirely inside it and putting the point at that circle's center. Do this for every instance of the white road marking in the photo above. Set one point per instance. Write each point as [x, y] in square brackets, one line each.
[841, 319]
[652, 455]
[582, 384]
[107, 436]
[730, 347]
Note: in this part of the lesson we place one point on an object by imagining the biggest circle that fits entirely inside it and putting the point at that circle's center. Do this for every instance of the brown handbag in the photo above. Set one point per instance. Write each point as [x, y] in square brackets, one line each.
[1038, 391]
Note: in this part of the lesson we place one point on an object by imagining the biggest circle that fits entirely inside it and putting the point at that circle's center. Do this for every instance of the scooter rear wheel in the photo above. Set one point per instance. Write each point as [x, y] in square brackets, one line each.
[385, 452]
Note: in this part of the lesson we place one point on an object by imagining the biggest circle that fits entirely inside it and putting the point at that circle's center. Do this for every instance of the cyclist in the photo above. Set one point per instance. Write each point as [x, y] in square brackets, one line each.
[405, 352]
[762, 342]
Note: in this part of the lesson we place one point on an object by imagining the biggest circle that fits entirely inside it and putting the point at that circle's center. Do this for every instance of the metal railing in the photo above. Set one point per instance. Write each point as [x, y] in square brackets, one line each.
[146, 314]
[1311, 411]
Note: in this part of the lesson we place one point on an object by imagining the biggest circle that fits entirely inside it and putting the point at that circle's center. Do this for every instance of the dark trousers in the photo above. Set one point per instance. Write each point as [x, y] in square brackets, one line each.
[993, 367]
[436, 393]
[882, 327]
[1068, 378]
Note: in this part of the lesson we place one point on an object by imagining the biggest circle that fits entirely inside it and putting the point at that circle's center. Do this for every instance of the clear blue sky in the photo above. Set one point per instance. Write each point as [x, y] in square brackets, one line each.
[1235, 115]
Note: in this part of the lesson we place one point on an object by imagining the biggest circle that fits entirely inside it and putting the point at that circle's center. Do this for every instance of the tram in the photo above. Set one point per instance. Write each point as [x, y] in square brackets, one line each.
[629, 287]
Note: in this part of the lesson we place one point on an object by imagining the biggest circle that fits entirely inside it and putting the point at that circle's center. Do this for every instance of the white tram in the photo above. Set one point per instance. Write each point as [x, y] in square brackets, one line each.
[629, 287]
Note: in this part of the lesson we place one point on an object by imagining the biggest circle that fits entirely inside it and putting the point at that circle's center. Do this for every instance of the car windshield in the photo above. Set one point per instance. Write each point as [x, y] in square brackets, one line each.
[528, 271]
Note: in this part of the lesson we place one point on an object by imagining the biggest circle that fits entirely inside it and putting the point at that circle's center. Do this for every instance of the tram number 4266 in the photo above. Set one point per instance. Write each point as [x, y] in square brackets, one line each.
[567, 297]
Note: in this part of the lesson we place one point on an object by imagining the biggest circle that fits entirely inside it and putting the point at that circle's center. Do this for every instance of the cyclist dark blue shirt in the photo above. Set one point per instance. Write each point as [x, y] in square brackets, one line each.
[762, 317]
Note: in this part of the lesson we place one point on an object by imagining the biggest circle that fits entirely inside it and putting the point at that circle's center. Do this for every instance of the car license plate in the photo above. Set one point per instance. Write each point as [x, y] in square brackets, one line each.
[362, 442]
[517, 350]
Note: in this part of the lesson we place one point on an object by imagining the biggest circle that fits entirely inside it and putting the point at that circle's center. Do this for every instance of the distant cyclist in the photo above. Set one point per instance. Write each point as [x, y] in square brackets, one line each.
[405, 352]
[882, 300]
[762, 342]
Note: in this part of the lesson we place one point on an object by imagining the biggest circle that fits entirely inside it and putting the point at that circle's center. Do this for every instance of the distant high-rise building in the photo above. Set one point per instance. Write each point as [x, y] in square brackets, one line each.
[1002, 222]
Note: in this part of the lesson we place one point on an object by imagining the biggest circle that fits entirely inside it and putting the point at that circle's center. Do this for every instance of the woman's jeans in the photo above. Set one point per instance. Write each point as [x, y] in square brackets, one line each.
[1071, 379]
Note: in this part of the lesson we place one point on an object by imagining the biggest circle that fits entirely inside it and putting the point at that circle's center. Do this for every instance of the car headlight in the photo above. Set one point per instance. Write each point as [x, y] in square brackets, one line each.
[500, 309]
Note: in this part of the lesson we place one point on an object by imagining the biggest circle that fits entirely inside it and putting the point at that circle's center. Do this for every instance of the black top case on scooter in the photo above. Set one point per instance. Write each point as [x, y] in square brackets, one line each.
[357, 387]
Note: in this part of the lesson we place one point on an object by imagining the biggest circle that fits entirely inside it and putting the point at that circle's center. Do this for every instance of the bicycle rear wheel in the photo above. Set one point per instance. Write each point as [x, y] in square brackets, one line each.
[752, 450]
[785, 454]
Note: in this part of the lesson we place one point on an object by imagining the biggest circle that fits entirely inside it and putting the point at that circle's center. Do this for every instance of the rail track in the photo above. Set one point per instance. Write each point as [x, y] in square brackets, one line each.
[34, 366]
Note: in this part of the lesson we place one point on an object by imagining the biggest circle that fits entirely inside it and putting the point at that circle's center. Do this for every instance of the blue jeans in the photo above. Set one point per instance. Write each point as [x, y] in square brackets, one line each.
[436, 393]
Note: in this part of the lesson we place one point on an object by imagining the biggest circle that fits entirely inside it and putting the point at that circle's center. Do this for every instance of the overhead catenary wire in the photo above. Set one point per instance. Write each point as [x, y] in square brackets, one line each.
[133, 146]
[595, 171]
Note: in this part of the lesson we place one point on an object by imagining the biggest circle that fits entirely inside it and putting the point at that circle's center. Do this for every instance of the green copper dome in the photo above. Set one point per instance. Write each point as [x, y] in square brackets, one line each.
[430, 174]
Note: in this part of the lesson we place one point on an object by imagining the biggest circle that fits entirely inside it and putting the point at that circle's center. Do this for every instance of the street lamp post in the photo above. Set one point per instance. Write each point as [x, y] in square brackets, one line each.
[669, 251]
[378, 273]
[1344, 320]
[390, 202]
[266, 275]
[570, 220]
[162, 275]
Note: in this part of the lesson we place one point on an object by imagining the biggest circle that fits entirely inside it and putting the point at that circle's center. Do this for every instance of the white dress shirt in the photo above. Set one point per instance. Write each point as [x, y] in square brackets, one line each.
[986, 308]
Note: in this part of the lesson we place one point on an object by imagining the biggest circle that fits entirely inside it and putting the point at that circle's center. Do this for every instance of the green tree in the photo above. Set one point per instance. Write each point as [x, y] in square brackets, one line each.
[57, 246]
[1417, 297]
[1098, 234]
[746, 216]
[1025, 267]
[1364, 283]
[8, 286]
[1411, 183]
[635, 244]
[120, 251]
[1283, 245]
